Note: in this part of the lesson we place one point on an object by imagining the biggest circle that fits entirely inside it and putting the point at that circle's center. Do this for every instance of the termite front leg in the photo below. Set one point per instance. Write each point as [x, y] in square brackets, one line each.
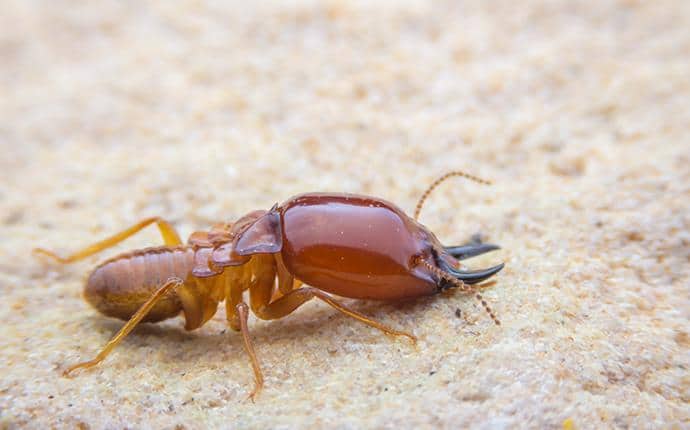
[170, 237]
[127, 328]
[264, 309]
[296, 298]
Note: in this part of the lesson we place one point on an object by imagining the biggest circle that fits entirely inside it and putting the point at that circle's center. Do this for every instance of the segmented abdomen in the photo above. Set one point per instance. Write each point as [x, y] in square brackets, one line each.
[119, 286]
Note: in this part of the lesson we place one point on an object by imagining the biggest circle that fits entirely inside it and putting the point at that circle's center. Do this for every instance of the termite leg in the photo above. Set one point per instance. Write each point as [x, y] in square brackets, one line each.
[127, 328]
[262, 284]
[170, 237]
[237, 312]
[296, 298]
[356, 315]
[243, 313]
[233, 297]
[286, 282]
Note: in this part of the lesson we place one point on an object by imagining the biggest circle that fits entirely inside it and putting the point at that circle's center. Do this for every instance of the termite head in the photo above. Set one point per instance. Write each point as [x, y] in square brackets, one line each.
[443, 265]
[446, 260]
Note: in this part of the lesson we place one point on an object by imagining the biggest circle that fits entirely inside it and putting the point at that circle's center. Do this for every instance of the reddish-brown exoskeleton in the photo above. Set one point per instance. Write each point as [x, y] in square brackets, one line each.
[348, 245]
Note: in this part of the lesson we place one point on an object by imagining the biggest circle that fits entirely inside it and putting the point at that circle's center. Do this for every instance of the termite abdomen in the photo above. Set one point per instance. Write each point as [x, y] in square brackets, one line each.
[119, 286]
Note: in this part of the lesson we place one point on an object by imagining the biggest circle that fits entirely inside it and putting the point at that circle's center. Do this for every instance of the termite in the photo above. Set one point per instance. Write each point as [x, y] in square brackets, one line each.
[347, 245]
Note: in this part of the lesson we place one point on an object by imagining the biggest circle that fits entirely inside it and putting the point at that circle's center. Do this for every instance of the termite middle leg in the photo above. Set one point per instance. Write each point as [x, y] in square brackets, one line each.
[170, 237]
[243, 313]
[127, 328]
[234, 287]
[259, 273]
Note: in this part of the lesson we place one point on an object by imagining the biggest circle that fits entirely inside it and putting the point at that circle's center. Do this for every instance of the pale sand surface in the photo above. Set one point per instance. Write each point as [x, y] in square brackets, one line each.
[579, 112]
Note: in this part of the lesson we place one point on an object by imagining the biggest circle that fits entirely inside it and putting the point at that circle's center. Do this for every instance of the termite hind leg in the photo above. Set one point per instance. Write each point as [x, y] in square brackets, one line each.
[243, 313]
[170, 238]
[128, 327]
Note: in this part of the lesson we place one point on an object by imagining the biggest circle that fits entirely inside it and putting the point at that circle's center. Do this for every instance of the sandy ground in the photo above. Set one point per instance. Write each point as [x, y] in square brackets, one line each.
[578, 111]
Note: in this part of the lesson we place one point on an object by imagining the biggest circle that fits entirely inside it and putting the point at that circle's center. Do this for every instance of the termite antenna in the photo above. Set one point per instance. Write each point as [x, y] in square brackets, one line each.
[462, 286]
[438, 181]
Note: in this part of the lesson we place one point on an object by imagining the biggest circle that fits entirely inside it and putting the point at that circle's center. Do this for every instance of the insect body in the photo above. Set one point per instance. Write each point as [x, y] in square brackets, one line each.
[348, 245]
